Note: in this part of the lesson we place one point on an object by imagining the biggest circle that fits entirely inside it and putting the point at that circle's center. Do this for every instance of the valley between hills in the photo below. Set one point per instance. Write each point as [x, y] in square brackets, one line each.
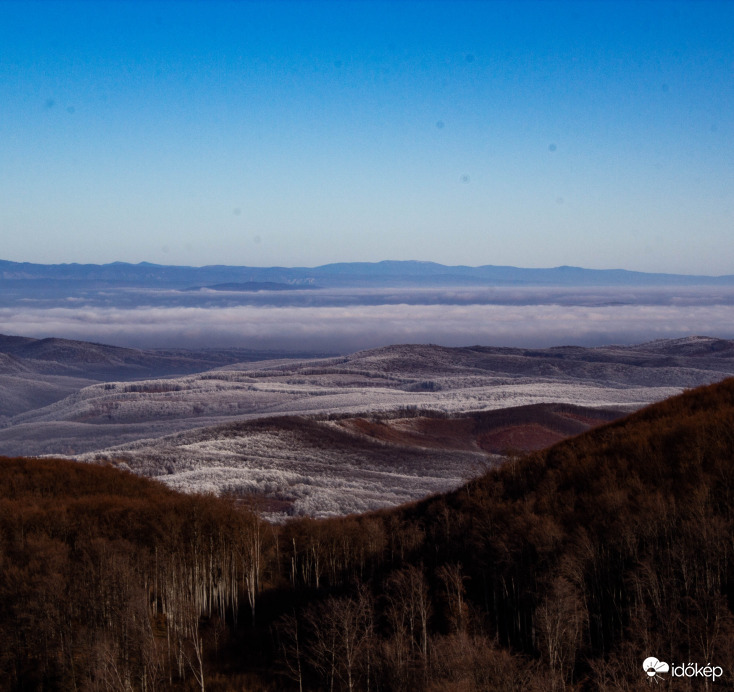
[304, 434]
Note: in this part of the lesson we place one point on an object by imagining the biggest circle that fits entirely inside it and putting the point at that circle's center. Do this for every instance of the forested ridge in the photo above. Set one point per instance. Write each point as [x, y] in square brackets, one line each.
[563, 569]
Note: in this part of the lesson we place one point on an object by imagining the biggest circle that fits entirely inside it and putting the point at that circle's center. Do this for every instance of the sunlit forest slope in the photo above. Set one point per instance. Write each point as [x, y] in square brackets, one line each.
[563, 569]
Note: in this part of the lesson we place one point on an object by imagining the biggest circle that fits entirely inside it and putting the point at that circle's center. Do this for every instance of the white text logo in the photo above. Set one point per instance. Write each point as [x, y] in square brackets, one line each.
[655, 668]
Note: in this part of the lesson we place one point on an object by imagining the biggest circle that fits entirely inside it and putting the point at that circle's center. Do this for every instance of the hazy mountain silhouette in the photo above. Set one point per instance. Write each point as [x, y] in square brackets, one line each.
[376, 274]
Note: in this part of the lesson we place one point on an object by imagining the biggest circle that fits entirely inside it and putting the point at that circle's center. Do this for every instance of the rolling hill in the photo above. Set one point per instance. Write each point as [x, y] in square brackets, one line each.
[37, 372]
[401, 421]
[336, 465]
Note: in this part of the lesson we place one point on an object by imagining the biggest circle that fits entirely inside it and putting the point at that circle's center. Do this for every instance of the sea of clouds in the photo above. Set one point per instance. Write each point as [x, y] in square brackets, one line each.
[345, 321]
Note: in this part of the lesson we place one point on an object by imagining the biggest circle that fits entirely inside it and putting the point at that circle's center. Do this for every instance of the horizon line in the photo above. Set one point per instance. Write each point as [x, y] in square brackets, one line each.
[433, 263]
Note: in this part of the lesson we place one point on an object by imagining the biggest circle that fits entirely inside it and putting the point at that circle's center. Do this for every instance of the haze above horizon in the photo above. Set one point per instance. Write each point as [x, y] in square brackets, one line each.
[532, 134]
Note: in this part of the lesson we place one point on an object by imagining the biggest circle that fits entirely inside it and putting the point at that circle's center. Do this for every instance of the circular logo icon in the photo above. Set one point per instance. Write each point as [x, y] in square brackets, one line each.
[652, 666]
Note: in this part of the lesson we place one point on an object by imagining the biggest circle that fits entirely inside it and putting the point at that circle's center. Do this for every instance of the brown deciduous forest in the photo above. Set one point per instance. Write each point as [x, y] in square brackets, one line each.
[561, 570]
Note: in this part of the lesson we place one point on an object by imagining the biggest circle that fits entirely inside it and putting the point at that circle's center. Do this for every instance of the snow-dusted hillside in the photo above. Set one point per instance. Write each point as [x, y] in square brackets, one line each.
[328, 465]
[38, 372]
[309, 467]
[449, 380]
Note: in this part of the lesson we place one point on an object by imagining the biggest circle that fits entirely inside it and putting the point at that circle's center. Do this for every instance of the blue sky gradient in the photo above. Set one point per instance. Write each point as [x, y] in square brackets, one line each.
[597, 134]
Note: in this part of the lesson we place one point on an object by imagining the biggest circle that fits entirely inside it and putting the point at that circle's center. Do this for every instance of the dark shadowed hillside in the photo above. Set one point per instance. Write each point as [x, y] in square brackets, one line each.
[564, 569]
[502, 431]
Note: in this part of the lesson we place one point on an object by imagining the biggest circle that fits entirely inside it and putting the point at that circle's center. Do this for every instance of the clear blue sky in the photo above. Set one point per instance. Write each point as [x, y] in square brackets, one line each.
[598, 134]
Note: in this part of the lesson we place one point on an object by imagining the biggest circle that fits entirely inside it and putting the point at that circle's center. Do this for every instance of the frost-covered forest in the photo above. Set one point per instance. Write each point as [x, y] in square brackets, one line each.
[278, 428]
[341, 464]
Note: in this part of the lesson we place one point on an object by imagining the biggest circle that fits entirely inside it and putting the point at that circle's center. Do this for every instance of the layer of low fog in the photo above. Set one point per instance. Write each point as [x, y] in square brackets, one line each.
[349, 320]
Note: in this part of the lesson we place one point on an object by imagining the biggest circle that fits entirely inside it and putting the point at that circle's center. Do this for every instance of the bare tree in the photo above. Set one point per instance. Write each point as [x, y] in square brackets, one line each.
[290, 647]
[561, 621]
[341, 637]
[453, 580]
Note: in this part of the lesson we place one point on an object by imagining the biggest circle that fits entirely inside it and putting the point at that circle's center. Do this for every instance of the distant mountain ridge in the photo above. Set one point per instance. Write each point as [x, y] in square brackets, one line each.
[385, 273]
